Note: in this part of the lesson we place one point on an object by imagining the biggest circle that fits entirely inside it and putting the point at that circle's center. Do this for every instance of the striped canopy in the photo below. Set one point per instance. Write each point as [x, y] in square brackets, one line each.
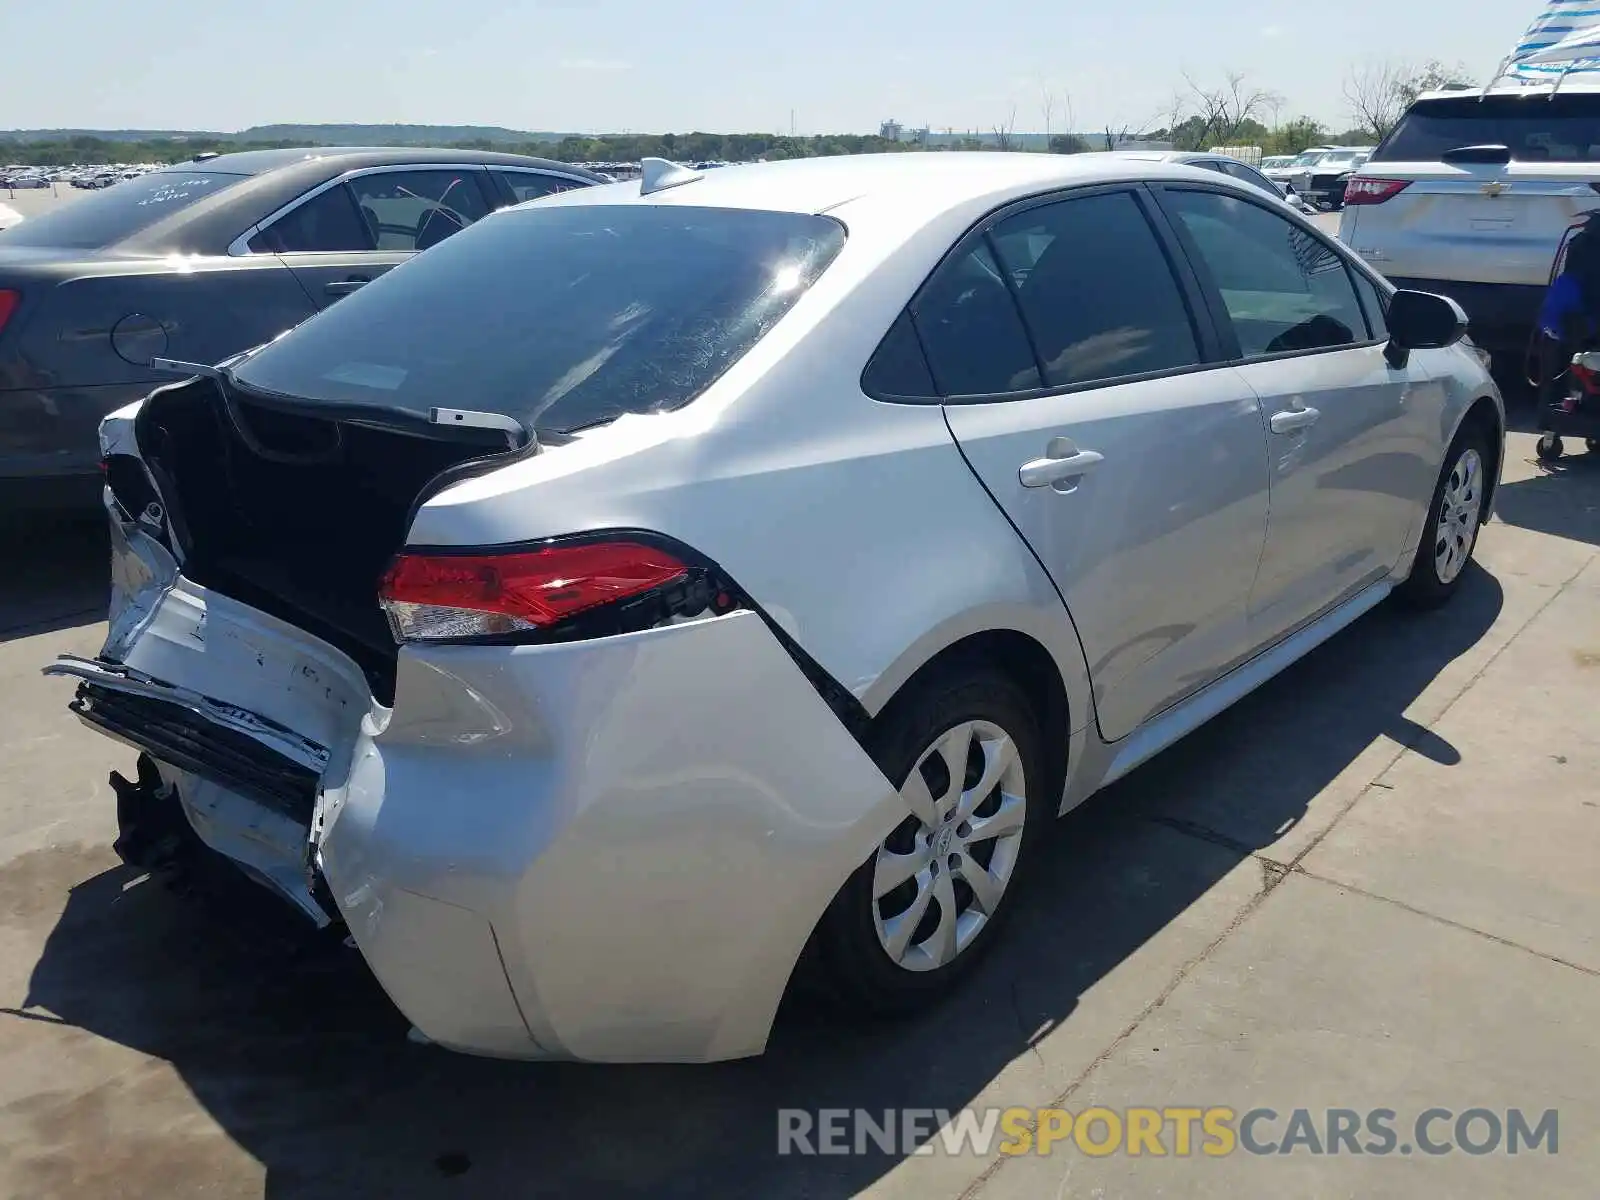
[1562, 21]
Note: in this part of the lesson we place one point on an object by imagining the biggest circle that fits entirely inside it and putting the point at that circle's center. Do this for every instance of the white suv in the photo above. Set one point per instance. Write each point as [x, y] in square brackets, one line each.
[1471, 195]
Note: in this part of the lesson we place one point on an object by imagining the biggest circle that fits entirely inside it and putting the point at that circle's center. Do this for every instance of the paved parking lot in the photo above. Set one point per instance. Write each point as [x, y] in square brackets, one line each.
[1371, 885]
[31, 202]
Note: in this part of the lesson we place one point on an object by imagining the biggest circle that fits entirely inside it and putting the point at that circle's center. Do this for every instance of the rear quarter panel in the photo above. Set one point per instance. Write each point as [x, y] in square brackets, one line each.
[206, 309]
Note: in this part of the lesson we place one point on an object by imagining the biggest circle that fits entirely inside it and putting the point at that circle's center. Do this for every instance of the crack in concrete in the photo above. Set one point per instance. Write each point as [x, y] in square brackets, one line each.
[1433, 916]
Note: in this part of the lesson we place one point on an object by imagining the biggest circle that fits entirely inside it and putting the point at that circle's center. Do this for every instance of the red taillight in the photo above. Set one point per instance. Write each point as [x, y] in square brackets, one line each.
[433, 596]
[1365, 190]
[8, 305]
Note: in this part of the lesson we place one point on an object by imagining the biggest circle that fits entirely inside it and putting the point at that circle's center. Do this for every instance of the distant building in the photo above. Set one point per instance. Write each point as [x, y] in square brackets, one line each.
[890, 130]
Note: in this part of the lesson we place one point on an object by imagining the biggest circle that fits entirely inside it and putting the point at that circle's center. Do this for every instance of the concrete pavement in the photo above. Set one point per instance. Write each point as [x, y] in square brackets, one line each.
[1371, 885]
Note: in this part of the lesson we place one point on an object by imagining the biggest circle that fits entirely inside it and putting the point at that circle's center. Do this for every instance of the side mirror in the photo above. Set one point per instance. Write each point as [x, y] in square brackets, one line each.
[1422, 321]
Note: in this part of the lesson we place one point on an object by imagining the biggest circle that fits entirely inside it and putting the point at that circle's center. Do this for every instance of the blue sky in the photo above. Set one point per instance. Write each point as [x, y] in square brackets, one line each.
[614, 65]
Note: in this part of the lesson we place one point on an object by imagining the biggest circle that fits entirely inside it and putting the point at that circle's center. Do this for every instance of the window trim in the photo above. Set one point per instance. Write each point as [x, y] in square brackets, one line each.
[1225, 330]
[1208, 340]
[1382, 286]
[240, 246]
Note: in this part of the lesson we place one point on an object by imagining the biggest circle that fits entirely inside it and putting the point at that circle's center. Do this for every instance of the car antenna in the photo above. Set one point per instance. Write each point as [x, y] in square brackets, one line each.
[657, 175]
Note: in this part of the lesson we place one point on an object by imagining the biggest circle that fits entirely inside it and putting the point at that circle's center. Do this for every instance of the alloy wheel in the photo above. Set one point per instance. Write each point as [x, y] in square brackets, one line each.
[938, 879]
[1460, 508]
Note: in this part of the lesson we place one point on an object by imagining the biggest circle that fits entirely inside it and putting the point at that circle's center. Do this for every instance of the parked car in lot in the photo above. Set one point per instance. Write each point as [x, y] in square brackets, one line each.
[1273, 166]
[1317, 175]
[24, 181]
[667, 587]
[1221, 164]
[1322, 183]
[202, 260]
[1471, 196]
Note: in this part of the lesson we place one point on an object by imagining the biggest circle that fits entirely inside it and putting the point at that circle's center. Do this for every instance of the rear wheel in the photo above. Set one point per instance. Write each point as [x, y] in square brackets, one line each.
[1550, 448]
[966, 755]
[1454, 519]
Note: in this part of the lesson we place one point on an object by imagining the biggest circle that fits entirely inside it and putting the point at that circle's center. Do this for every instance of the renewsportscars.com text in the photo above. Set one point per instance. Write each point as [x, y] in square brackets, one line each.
[1168, 1131]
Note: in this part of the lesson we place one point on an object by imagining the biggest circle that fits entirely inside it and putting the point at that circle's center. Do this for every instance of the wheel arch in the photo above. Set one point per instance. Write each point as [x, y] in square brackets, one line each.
[1025, 660]
[1483, 413]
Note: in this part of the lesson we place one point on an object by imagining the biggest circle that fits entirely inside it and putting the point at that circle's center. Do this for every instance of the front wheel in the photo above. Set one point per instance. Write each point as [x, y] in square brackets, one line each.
[967, 756]
[1456, 515]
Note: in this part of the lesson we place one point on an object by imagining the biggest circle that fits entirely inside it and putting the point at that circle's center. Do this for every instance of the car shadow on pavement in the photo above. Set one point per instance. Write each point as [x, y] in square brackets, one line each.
[1562, 499]
[55, 576]
[300, 1060]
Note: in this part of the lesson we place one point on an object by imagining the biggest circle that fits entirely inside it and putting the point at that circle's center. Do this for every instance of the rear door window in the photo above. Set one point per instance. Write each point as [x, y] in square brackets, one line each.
[413, 210]
[1096, 290]
[1540, 128]
[976, 342]
[328, 222]
[898, 370]
[561, 317]
[530, 185]
[1285, 290]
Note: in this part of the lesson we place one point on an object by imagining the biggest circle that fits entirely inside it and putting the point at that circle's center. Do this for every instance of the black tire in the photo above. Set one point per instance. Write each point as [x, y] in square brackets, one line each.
[1424, 588]
[1592, 445]
[1550, 448]
[852, 967]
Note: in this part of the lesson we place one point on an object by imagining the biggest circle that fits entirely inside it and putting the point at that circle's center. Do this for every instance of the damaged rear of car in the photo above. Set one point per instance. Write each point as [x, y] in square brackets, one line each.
[450, 750]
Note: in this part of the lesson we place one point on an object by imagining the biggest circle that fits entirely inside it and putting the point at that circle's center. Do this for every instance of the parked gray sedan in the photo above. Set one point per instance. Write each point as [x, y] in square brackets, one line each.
[671, 588]
[202, 260]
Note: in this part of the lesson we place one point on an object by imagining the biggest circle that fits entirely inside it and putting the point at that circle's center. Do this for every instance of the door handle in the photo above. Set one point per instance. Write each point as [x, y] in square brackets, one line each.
[1292, 420]
[1062, 463]
[343, 287]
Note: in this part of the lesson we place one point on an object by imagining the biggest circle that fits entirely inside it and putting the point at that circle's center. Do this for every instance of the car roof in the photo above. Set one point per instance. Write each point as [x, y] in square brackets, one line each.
[925, 199]
[944, 179]
[260, 182]
[351, 158]
[1176, 156]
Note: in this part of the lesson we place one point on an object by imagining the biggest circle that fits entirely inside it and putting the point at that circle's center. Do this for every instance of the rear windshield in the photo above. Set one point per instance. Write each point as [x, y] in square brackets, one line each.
[560, 317]
[1537, 128]
[104, 218]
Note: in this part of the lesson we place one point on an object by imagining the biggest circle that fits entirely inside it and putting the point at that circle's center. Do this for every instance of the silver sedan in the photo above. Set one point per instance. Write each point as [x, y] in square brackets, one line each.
[661, 591]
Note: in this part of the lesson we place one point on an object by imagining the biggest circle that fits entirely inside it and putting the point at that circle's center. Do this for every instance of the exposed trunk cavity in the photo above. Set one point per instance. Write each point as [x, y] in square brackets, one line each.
[296, 515]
